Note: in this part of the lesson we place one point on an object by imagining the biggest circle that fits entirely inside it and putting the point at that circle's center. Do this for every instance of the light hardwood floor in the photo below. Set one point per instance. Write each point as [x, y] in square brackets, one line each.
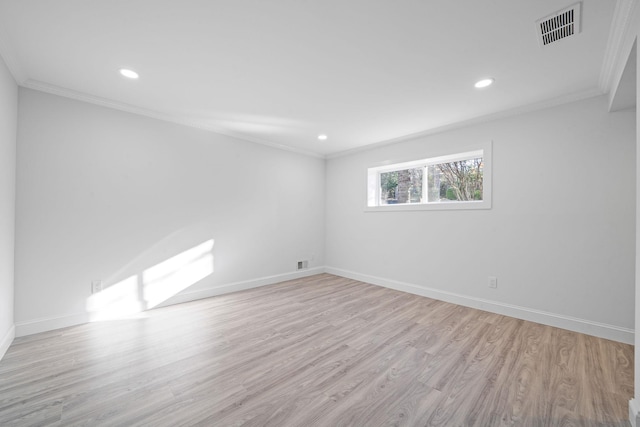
[324, 351]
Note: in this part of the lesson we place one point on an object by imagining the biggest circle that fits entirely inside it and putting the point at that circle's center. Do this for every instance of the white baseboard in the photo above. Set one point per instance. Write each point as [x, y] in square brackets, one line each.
[239, 286]
[48, 324]
[7, 340]
[588, 327]
[611, 332]
[45, 324]
[634, 413]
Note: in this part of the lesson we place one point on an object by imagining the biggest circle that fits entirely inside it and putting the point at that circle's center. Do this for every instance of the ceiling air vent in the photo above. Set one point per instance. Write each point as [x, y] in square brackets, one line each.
[560, 25]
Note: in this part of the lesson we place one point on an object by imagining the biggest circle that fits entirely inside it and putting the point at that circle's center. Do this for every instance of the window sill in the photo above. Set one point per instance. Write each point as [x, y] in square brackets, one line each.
[441, 206]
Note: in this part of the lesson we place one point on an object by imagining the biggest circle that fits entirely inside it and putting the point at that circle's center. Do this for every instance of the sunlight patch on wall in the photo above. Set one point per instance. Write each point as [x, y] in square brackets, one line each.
[170, 277]
[118, 301]
[153, 286]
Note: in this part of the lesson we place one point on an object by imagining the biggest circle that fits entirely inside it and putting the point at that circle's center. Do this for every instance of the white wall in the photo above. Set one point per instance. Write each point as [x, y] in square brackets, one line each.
[559, 237]
[104, 194]
[8, 121]
[634, 404]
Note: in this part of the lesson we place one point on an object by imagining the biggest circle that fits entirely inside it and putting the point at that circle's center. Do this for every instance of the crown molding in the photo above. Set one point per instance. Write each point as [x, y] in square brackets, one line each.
[158, 115]
[566, 99]
[104, 102]
[614, 53]
[618, 44]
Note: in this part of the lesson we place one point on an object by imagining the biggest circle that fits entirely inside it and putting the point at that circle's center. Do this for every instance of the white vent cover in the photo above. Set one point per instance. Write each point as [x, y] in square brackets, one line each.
[560, 25]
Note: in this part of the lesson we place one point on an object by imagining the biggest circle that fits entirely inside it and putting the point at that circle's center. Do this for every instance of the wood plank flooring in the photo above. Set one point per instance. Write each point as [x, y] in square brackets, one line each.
[323, 350]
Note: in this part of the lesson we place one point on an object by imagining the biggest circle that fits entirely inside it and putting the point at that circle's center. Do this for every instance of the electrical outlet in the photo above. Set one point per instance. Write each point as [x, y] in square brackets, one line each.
[96, 286]
[493, 282]
[303, 264]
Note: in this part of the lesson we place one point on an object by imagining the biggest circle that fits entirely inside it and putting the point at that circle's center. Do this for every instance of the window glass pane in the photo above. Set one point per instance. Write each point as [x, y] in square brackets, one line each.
[402, 186]
[456, 181]
[451, 181]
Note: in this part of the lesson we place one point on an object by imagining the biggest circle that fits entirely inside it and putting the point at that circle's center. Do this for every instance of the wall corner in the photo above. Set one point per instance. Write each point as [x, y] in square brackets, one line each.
[7, 340]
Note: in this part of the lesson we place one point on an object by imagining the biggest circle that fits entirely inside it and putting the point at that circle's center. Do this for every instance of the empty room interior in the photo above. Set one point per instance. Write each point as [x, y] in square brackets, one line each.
[297, 213]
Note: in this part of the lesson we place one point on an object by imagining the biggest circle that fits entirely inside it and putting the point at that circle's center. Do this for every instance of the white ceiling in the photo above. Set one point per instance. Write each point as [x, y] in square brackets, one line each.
[283, 71]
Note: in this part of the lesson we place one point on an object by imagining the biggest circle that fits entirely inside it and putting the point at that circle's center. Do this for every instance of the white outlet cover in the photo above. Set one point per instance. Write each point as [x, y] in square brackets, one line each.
[96, 286]
[493, 282]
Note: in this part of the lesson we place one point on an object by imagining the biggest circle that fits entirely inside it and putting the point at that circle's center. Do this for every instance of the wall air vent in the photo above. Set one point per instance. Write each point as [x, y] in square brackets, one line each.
[560, 25]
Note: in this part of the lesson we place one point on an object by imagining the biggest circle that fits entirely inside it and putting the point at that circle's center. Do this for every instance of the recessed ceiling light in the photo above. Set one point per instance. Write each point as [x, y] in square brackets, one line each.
[322, 137]
[484, 83]
[130, 74]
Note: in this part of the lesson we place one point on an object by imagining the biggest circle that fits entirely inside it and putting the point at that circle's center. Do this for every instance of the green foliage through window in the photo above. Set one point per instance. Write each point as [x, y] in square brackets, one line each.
[460, 180]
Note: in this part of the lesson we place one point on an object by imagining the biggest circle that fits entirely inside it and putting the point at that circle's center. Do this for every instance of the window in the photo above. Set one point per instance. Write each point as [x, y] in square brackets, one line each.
[454, 181]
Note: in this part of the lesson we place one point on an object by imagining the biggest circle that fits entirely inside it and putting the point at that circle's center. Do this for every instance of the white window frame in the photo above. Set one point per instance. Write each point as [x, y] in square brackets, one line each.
[372, 200]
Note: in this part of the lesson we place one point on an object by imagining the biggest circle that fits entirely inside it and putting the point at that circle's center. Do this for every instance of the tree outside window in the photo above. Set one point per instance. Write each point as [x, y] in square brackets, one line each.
[452, 181]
